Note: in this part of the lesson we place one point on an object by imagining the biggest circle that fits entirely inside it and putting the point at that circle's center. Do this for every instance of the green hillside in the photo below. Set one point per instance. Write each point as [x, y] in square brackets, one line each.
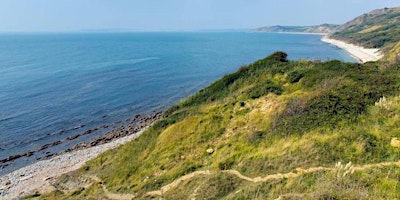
[288, 123]
[377, 29]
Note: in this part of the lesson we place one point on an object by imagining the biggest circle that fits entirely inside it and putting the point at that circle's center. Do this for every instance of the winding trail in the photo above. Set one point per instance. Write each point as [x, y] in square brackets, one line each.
[111, 195]
[177, 182]
[369, 166]
[300, 171]
[275, 176]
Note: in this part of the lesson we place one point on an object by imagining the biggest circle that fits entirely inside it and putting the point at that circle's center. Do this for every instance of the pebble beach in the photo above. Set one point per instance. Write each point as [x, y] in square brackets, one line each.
[38, 176]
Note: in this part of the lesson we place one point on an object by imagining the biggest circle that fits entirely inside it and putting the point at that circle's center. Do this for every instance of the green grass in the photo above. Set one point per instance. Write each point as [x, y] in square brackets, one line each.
[272, 116]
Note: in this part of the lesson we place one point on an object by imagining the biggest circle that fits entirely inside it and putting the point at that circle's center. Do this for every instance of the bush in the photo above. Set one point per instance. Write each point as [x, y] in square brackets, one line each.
[278, 56]
[264, 89]
[295, 76]
[226, 164]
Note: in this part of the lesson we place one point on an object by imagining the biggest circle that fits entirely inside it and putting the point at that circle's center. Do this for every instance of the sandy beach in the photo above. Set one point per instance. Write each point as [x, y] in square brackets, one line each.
[38, 176]
[360, 53]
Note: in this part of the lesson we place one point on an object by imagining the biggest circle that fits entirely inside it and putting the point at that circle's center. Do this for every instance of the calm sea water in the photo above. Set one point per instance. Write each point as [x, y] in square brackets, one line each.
[56, 85]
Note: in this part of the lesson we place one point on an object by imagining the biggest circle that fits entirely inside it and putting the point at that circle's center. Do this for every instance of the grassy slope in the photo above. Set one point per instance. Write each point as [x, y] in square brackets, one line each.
[377, 29]
[269, 117]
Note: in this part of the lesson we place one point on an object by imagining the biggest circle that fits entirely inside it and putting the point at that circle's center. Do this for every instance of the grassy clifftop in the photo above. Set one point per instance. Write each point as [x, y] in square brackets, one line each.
[287, 122]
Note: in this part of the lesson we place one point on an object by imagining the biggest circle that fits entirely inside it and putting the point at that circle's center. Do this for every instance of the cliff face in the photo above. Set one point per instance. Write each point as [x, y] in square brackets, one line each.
[324, 28]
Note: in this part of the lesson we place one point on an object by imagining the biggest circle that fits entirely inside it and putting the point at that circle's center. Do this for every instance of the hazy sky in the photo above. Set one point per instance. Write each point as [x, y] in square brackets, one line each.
[162, 15]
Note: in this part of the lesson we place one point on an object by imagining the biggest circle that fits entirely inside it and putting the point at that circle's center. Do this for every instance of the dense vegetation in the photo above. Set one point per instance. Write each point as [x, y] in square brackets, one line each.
[377, 29]
[273, 116]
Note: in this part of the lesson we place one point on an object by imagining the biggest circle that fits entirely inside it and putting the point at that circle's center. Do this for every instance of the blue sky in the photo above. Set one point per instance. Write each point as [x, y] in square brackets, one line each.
[176, 15]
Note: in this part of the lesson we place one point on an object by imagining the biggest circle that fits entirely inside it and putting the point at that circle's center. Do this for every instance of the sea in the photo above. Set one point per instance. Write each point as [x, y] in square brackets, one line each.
[55, 85]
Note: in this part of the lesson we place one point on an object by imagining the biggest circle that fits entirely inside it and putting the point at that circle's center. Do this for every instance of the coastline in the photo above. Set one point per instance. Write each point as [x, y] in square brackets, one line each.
[362, 54]
[293, 33]
[38, 176]
[119, 129]
[302, 33]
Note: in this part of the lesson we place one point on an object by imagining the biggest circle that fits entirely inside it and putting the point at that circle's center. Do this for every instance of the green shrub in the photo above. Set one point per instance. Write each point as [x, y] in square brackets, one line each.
[265, 88]
[295, 76]
[278, 56]
[226, 164]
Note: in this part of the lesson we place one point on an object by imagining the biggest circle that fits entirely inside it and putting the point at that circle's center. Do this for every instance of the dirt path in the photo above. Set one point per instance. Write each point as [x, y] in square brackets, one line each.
[369, 166]
[266, 178]
[110, 195]
[275, 176]
[236, 173]
[177, 182]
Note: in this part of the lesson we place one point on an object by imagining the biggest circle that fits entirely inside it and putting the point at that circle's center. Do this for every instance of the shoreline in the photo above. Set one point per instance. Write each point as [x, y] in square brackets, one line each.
[362, 54]
[117, 130]
[38, 176]
[302, 33]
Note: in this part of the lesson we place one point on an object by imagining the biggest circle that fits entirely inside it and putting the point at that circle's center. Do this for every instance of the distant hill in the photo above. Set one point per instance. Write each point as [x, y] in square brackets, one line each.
[323, 28]
[376, 29]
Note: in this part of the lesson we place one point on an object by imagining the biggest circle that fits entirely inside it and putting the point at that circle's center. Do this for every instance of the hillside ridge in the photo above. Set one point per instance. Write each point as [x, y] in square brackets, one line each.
[321, 29]
[379, 28]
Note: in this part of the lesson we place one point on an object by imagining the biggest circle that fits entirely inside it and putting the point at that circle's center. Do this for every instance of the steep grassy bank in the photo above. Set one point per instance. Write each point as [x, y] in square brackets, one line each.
[273, 116]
